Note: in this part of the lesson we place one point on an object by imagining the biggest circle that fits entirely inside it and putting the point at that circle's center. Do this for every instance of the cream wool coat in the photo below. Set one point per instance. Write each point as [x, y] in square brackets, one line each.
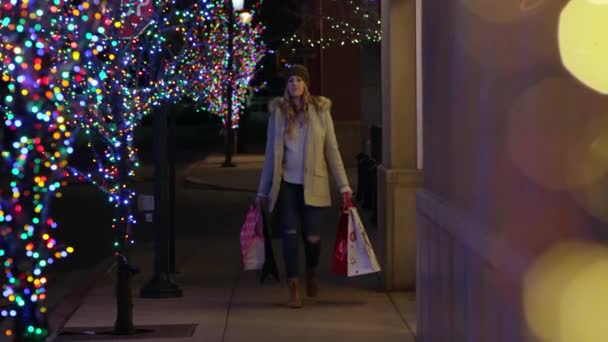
[321, 154]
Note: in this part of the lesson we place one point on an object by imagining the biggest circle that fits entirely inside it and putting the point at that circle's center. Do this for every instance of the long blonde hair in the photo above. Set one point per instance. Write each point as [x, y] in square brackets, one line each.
[289, 109]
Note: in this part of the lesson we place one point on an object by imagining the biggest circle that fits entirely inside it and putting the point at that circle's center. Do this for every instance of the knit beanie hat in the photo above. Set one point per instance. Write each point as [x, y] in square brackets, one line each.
[299, 70]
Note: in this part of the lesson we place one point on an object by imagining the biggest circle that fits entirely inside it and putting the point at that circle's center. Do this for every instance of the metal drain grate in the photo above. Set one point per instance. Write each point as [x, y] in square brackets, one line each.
[142, 332]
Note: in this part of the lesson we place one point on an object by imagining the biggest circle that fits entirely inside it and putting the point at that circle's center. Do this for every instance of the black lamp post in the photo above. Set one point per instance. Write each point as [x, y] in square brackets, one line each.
[234, 6]
[161, 285]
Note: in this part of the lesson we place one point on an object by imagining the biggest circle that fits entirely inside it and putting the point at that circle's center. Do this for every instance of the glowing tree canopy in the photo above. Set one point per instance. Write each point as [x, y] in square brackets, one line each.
[213, 77]
[115, 102]
[139, 64]
[43, 48]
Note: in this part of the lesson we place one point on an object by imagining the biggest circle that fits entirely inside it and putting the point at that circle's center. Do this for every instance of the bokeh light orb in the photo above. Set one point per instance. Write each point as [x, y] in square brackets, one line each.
[564, 293]
[550, 139]
[583, 42]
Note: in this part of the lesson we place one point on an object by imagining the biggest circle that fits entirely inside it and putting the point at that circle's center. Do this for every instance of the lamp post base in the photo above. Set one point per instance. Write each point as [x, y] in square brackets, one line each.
[161, 286]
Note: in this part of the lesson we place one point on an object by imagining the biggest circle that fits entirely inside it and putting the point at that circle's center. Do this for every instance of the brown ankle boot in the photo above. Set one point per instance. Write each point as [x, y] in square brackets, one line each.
[312, 282]
[295, 293]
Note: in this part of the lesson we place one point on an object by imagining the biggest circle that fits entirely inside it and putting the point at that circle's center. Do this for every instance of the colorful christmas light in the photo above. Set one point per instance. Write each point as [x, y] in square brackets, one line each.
[42, 47]
[139, 65]
[361, 25]
[89, 68]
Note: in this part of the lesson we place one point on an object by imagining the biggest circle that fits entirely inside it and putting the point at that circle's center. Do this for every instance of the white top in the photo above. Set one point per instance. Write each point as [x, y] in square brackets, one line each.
[295, 152]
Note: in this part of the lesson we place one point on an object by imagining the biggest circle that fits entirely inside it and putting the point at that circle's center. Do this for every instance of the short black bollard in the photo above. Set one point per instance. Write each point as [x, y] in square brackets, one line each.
[124, 297]
[372, 168]
[362, 178]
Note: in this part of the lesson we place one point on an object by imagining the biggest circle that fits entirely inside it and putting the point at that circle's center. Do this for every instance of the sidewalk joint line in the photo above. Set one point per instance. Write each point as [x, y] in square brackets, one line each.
[206, 186]
[237, 280]
[396, 307]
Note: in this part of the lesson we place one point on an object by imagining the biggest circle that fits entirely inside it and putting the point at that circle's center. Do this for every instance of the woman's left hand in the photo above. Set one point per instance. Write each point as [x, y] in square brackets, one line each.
[347, 199]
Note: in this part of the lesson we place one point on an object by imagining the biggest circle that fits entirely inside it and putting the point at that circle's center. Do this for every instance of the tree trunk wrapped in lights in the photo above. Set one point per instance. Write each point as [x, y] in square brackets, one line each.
[44, 46]
[224, 73]
[137, 67]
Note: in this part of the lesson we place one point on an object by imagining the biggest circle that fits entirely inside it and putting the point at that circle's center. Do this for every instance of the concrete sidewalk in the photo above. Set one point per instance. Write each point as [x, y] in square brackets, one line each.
[223, 303]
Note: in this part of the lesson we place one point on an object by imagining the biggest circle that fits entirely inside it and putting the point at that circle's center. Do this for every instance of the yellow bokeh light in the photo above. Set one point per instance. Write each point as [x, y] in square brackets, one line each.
[564, 295]
[553, 133]
[584, 304]
[582, 42]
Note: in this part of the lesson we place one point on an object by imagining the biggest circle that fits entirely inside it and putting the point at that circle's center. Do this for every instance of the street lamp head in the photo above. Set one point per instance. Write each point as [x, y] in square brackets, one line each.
[237, 5]
[245, 17]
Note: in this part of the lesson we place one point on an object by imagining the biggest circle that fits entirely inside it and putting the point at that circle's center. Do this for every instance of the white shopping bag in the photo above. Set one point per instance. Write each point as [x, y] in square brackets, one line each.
[255, 257]
[252, 240]
[361, 256]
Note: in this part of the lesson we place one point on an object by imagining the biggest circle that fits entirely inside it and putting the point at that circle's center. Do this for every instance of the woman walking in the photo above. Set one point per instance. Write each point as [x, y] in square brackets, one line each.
[300, 148]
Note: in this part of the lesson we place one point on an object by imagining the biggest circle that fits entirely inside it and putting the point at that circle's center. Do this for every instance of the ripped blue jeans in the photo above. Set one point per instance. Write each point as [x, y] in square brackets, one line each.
[294, 213]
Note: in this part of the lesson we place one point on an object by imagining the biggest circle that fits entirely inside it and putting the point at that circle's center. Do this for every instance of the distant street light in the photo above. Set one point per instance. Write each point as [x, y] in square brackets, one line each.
[237, 5]
[245, 17]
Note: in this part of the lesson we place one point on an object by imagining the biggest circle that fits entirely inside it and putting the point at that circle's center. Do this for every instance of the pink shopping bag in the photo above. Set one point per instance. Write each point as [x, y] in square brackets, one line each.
[252, 240]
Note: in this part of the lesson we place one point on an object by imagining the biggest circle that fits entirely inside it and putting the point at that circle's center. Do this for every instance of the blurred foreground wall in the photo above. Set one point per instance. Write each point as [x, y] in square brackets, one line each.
[512, 214]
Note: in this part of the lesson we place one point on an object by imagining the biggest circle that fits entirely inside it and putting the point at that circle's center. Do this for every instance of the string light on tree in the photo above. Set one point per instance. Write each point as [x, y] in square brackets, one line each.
[43, 48]
[115, 104]
[134, 71]
[136, 67]
[359, 26]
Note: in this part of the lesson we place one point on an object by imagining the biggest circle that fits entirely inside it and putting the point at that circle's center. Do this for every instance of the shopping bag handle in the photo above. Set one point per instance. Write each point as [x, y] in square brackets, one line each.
[347, 205]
